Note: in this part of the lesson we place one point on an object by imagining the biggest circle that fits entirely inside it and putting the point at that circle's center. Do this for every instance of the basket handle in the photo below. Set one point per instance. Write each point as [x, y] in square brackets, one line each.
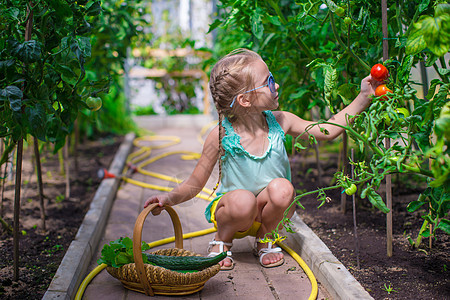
[137, 241]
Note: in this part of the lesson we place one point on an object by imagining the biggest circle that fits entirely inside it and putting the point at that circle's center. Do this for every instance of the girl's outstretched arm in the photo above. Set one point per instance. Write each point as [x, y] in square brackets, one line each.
[295, 126]
[189, 188]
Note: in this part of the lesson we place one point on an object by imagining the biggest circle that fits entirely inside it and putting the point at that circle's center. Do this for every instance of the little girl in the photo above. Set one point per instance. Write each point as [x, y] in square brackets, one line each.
[248, 143]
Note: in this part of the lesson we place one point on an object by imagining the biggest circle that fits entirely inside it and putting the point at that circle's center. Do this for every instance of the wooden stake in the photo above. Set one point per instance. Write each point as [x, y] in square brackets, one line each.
[344, 169]
[40, 184]
[355, 227]
[387, 140]
[67, 165]
[18, 184]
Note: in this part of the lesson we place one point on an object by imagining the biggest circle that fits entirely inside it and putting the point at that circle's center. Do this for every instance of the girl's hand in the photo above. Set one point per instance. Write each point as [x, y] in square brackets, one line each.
[368, 86]
[160, 199]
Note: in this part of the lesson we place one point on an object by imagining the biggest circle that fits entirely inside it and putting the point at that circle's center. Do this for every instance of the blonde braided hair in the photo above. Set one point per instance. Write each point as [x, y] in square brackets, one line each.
[230, 76]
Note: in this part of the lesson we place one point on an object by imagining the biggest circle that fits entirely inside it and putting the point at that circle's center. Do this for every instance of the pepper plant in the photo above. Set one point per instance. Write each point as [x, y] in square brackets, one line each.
[321, 49]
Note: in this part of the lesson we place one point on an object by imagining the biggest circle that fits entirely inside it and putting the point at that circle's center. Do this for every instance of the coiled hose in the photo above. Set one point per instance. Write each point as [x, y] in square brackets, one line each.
[139, 156]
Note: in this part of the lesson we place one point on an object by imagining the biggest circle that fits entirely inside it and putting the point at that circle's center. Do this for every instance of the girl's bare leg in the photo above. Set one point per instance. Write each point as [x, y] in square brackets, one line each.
[272, 203]
[235, 212]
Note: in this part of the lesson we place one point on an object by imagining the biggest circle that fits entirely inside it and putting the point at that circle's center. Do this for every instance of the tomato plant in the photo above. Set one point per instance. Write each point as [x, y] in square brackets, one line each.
[320, 60]
[379, 72]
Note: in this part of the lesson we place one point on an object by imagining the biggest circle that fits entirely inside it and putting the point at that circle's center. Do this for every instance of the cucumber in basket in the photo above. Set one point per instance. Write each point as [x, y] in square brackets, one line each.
[177, 263]
[120, 252]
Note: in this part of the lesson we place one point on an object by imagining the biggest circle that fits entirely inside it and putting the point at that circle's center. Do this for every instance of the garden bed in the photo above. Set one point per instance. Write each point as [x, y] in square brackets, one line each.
[410, 273]
[42, 252]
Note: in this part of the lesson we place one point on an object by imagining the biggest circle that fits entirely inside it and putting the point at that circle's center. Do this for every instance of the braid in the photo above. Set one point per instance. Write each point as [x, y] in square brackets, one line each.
[221, 152]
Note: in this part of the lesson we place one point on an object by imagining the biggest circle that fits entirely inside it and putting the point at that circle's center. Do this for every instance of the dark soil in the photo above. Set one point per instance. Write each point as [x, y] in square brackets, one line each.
[411, 273]
[41, 252]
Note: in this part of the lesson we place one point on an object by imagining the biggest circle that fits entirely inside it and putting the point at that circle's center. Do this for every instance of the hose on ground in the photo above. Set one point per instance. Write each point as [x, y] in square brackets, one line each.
[144, 152]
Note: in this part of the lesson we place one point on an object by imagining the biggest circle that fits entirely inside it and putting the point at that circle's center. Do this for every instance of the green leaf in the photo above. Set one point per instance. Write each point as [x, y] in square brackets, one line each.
[443, 72]
[37, 119]
[127, 242]
[27, 52]
[415, 42]
[436, 34]
[81, 47]
[13, 95]
[316, 63]
[93, 8]
[426, 233]
[376, 200]
[5, 64]
[12, 13]
[432, 89]
[414, 205]
[405, 69]
[257, 26]
[444, 225]
[123, 258]
[347, 92]
[67, 74]
[442, 9]
[423, 5]
[10, 92]
[274, 20]
[214, 25]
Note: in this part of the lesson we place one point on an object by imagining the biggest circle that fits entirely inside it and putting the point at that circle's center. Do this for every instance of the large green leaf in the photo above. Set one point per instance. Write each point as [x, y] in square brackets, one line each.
[13, 95]
[27, 52]
[415, 42]
[37, 119]
[436, 33]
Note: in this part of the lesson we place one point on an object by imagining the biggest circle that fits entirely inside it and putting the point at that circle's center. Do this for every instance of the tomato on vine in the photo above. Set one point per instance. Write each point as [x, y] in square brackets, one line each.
[382, 90]
[347, 20]
[379, 72]
[340, 11]
[351, 189]
[94, 103]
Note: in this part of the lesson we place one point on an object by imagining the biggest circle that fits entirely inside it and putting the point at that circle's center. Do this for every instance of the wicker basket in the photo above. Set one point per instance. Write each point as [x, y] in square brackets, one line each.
[150, 279]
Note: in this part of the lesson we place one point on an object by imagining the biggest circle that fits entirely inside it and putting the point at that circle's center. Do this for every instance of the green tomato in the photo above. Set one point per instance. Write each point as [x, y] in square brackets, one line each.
[351, 189]
[94, 103]
[347, 21]
[340, 11]
[403, 111]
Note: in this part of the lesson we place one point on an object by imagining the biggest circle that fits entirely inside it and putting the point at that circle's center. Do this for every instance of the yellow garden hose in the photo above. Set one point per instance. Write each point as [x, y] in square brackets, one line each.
[144, 152]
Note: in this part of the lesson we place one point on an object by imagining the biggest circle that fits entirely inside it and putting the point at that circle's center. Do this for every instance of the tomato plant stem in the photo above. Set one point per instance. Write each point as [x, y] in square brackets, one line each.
[341, 43]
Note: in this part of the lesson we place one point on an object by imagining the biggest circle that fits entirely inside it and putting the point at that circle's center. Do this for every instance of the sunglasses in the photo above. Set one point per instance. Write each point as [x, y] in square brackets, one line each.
[270, 83]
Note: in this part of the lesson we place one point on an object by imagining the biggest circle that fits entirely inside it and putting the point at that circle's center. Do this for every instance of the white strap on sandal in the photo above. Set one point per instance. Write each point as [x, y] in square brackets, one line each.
[221, 245]
[264, 251]
[221, 249]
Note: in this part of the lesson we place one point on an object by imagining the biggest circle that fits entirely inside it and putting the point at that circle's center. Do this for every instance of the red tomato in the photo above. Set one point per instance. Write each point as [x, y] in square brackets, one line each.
[379, 72]
[382, 90]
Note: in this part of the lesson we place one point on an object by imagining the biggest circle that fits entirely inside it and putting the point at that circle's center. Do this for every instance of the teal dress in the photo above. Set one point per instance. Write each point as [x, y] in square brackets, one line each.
[242, 170]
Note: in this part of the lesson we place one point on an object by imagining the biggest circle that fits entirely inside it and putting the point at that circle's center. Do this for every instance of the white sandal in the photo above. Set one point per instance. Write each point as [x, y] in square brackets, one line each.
[221, 249]
[265, 251]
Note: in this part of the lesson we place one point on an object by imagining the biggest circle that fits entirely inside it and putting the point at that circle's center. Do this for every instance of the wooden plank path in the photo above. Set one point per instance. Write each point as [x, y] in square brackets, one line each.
[248, 280]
